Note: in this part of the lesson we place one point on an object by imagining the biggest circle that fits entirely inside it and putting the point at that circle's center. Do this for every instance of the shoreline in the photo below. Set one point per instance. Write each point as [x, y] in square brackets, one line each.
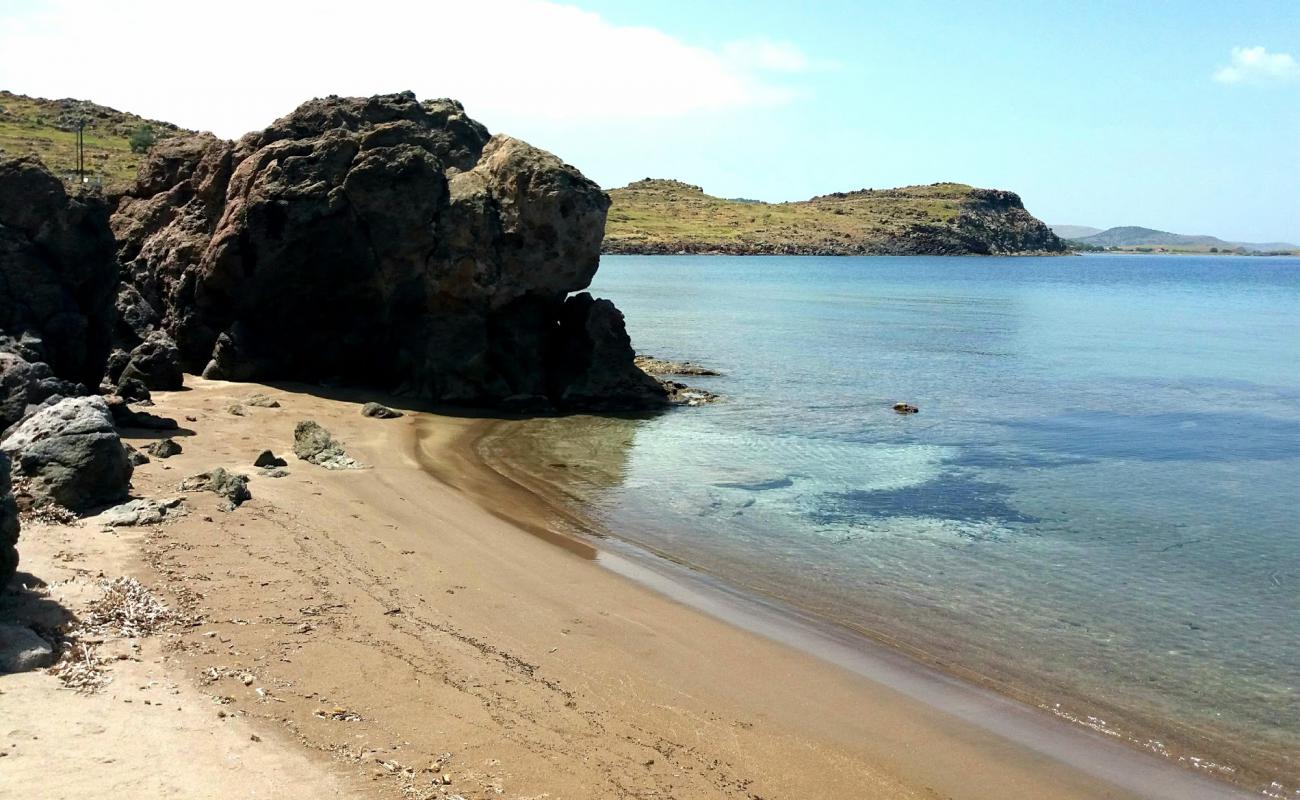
[928, 676]
[388, 633]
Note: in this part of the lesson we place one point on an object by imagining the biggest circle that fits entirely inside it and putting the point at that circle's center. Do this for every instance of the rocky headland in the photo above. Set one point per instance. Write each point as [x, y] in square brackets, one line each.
[665, 217]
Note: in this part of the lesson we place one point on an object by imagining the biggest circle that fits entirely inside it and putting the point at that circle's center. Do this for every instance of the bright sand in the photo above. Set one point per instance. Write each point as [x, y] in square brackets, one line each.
[390, 617]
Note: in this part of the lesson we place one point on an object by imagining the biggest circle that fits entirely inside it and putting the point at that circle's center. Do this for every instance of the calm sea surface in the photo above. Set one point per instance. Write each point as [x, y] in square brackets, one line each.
[1097, 508]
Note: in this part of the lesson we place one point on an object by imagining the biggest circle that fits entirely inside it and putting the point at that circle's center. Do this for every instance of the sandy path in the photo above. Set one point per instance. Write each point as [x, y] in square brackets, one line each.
[416, 645]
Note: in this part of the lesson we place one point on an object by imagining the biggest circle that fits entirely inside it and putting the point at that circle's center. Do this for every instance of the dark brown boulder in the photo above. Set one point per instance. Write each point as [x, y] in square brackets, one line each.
[384, 242]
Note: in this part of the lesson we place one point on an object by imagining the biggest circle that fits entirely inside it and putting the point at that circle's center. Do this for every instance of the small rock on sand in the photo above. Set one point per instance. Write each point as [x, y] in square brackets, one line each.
[379, 411]
[141, 512]
[21, 650]
[262, 400]
[164, 448]
[313, 443]
[267, 459]
[232, 487]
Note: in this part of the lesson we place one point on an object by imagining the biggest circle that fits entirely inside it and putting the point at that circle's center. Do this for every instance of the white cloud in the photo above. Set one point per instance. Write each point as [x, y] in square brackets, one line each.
[1257, 65]
[235, 65]
[767, 55]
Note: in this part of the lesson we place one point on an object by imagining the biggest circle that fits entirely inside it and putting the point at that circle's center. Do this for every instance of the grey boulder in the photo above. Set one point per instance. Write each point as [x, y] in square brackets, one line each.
[70, 454]
[21, 650]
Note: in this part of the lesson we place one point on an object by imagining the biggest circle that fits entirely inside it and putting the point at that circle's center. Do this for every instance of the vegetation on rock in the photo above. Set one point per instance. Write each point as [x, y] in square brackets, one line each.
[667, 216]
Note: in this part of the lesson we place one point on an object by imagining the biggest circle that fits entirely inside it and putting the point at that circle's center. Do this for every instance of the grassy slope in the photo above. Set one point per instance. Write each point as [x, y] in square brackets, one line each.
[42, 127]
[661, 211]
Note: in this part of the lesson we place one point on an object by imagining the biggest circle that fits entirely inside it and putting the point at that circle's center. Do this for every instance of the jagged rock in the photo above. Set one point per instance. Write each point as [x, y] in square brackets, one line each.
[21, 650]
[379, 412]
[680, 394]
[141, 512]
[228, 485]
[136, 319]
[313, 443]
[8, 525]
[164, 448]
[598, 372]
[260, 400]
[58, 274]
[133, 390]
[26, 386]
[155, 363]
[70, 454]
[383, 242]
[267, 459]
[135, 456]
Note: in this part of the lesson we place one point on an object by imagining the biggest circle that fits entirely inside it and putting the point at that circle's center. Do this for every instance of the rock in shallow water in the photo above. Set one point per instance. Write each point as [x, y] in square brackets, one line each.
[427, 256]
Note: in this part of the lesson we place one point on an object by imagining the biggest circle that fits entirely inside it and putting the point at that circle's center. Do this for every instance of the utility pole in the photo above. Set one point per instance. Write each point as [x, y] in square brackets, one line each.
[81, 150]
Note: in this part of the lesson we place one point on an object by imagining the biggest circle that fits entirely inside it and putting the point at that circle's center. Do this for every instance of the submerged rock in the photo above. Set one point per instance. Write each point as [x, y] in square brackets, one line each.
[70, 454]
[382, 241]
[379, 412]
[905, 408]
[313, 443]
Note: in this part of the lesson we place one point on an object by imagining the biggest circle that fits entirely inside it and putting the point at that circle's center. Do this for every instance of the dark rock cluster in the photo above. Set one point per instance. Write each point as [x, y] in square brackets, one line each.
[379, 241]
[8, 525]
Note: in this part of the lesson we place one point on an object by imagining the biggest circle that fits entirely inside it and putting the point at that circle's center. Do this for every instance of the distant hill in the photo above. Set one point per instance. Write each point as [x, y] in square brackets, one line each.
[667, 216]
[1133, 237]
[48, 128]
[1074, 231]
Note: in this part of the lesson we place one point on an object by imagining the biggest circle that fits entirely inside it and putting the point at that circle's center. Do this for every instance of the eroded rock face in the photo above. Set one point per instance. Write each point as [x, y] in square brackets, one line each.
[70, 454]
[58, 272]
[375, 241]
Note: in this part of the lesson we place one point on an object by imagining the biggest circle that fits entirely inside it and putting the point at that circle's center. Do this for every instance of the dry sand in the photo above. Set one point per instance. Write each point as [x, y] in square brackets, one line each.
[408, 642]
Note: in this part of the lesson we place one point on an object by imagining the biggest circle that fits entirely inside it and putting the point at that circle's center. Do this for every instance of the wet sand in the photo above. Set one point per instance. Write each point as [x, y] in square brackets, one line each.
[418, 629]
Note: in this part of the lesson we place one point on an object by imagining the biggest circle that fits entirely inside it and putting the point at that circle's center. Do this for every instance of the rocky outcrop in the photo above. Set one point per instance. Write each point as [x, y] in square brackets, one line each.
[58, 273]
[8, 525]
[665, 217]
[70, 454]
[384, 242]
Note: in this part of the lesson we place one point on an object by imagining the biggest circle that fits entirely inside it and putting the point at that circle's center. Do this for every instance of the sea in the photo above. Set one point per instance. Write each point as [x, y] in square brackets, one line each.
[1096, 509]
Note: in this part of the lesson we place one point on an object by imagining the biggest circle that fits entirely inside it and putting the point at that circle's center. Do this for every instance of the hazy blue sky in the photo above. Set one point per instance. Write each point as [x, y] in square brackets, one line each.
[1176, 115]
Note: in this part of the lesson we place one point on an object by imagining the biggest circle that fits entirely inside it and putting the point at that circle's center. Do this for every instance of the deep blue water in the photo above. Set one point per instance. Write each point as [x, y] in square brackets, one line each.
[1098, 503]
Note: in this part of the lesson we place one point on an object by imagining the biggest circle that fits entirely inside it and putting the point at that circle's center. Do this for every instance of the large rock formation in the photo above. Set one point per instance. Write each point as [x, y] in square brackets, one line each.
[70, 454]
[378, 241]
[58, 273]
[8, 526]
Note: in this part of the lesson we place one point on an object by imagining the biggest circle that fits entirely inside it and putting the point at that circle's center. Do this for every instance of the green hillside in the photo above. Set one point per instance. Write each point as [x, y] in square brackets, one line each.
[668, 216]
[47, 128]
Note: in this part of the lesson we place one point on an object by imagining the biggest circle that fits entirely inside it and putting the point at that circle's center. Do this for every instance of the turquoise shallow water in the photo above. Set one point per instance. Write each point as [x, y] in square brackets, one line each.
[1098, 507]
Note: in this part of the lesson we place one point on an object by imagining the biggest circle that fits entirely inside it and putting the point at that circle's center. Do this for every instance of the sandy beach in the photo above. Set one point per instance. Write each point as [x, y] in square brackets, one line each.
[414, 629]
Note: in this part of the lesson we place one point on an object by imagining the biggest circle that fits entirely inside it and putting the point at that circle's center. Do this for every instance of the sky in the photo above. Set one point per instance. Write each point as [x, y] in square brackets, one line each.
[1182, 116]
